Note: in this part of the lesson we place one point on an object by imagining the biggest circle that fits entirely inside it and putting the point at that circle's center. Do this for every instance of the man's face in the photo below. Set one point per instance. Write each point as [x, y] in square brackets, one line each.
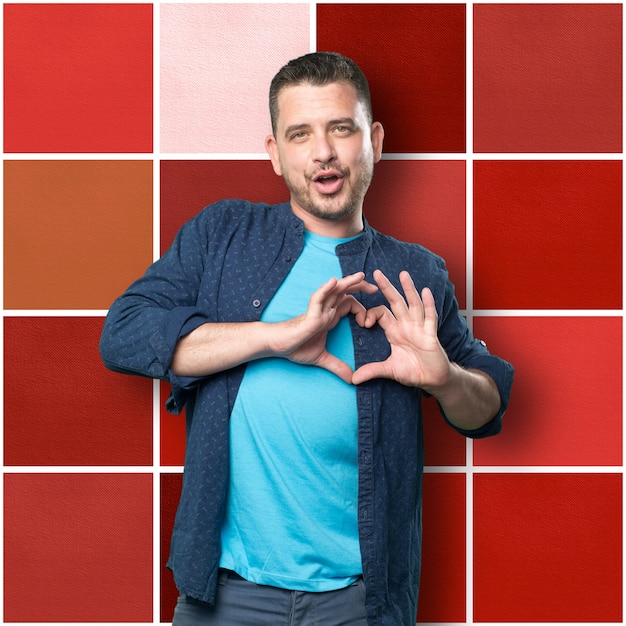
[325, 149]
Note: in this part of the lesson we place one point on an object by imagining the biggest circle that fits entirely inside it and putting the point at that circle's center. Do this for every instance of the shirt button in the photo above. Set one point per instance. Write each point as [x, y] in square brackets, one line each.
[256, 304]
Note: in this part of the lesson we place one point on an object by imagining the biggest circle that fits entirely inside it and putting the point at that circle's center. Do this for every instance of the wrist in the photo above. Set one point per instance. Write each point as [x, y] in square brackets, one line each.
[446, 383]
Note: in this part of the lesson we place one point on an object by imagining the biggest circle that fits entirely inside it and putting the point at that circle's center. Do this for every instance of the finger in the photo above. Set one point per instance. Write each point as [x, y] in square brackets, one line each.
[396, 301]
[378, 315]
[349, 281]
[430, 311]
[350, 304]
[354, 283]
[416, 306]
[320, 296]
[333, 290]
[363, 287]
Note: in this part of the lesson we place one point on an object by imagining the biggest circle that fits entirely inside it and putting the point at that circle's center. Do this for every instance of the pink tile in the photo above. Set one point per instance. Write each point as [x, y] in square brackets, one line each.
[217, 61]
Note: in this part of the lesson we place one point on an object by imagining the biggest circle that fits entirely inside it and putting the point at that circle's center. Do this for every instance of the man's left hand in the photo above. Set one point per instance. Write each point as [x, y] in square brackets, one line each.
[410, 325]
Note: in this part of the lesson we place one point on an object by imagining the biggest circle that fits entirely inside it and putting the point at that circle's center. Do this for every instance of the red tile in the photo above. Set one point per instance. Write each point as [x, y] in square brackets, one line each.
[566, 404]
[548, 77]
[171, 486]
[78, 78]
[443, 446]
[423, 202]
[188, 186]
[548, 548]
[443, 556]
[547, 234]
[443, 553]
[418, 201]
[78, 548]
[62, 406]
[414, 58]
[173, 432]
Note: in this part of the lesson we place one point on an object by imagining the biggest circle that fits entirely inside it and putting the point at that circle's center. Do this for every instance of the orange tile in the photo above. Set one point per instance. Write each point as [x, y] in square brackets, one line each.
[76, 232]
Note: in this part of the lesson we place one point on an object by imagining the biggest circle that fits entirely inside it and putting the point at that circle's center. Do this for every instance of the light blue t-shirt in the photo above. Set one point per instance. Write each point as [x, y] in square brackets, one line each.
[291, 518]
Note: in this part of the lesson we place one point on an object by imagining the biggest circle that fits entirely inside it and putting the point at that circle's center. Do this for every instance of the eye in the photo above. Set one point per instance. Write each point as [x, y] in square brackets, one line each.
[298, 136]
[343, 129]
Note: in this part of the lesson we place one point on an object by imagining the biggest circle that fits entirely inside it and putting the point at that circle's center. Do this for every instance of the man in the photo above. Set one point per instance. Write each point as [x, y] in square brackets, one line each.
[300, 341]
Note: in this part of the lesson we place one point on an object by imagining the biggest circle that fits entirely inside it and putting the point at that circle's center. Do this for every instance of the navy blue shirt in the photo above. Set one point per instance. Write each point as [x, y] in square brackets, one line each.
[224, 266]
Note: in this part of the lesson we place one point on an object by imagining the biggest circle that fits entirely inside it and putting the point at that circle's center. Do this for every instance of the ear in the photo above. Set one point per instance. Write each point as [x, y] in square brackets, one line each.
[377, 134]
[272, 149]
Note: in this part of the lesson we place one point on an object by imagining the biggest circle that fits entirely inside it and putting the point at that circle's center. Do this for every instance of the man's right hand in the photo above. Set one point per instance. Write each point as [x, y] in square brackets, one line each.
[303, 339]
[215, 347]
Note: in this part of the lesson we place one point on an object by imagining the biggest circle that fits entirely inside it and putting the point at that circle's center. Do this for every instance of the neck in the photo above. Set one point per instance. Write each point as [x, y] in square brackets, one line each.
[340, 228]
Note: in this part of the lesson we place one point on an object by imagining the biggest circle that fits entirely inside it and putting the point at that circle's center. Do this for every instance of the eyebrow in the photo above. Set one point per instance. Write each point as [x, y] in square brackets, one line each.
[294, 128]
[342, 120]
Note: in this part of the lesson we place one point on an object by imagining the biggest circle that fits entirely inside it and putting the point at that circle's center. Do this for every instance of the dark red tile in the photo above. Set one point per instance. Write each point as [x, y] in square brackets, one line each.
[414, 58]
[62, 406]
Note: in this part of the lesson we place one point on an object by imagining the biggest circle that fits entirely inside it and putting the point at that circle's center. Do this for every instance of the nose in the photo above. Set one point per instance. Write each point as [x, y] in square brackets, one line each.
[323, 150]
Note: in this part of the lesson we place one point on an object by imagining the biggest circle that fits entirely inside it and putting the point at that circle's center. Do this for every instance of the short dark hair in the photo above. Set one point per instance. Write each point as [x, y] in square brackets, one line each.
[320, 68]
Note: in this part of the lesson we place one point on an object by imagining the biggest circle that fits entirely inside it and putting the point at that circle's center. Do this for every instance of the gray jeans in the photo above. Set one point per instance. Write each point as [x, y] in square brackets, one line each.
[242, 603]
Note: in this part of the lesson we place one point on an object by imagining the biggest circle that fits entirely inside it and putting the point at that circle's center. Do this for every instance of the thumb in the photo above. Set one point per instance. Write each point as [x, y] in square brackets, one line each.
[368, 372]
[336, 366]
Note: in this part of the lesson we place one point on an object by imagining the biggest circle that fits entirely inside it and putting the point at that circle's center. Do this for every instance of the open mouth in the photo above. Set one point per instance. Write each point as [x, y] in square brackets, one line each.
[328, 183]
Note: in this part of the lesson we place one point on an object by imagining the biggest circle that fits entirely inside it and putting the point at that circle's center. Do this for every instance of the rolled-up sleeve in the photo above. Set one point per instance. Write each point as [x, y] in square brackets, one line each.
[144, 324]
[471, 353]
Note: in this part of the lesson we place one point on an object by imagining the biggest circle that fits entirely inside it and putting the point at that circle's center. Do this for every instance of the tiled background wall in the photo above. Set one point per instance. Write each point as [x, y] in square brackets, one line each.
[504, 154]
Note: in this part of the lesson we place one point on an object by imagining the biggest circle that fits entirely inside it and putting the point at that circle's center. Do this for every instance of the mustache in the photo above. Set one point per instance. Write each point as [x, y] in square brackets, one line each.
[324, 171]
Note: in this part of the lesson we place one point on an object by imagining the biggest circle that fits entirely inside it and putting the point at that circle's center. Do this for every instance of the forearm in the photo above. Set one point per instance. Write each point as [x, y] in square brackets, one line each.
[469, 399]
[215, 347]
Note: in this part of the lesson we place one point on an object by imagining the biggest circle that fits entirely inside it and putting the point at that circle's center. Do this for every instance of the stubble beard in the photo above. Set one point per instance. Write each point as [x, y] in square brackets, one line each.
[330, 207]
